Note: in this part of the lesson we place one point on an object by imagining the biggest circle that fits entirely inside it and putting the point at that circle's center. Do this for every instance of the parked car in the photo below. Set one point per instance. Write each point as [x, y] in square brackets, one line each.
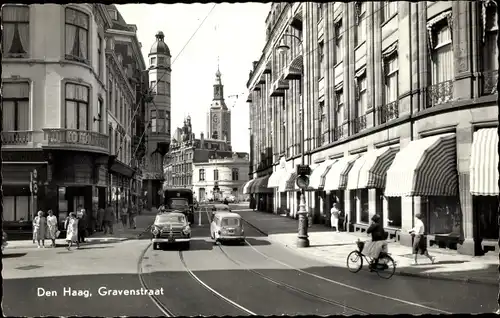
[227, 226]
[171, 228]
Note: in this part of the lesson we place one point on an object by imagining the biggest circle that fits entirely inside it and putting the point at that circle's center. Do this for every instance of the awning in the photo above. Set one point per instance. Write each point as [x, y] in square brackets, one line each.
[336, 179]
[247, 185]
[260, 185]
[483, 163]
[426, 167]
[317, 178]
[275, 178]
[290, 182]
[369, 171]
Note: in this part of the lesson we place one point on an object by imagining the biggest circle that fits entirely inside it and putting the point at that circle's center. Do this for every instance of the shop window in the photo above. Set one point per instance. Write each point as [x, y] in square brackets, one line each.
[486, 217]
[363, 197]
[16, 208]
[394, 212]
[442, 216]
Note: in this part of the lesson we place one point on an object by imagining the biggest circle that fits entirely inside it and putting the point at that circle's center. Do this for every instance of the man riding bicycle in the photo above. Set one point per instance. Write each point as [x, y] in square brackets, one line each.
[378, 234]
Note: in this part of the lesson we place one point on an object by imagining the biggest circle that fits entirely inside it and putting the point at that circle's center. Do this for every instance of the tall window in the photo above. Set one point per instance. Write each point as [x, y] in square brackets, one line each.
[16, 208]
[167, 121]
[100, 115]
[122, 110]
[16, 23]
[16, 106]
[390, 8]
[153, 61]
[111, 139]
[339, 44]
[391, 78]
[490, 37]
[323, 125]
[361, 99]
[77, 35]
[321, 58]
[360, 28]
[99, 56]
[216, 175]
[202, 174]
[117, 143]
[161, 88]
[320, 11]
[77, 106]
[115, 110]
[158, 121]
[235, 174]
[442, 54]
[340, 107]
[110, 94]
[167, 88]
[152, 87]
[161, 60]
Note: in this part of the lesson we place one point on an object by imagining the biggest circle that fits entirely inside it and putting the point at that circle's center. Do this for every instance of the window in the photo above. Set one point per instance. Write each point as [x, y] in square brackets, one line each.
[202, 174]
[323, 123]
[490, 37]
[158, 121]
[100, 115]
[216, 175]
[115, 109]
[321, 58]
[16, 208]
[215, 135]
[235, 174]
[77, 107]
[122, 110]
[99, 56]
[113, 14]
[339, 44]
[442, 54]
[110, 93]
[161, 60]
[340, 107]
[390, 8]
[360, 28]
[152, 87]
[77, 35]
[394, 212]
[320, 11]
[161, 88]
[167, 88]
[391, 78]
[16, 23]
[117, 142]
[153, 60]
[16, 106]
[361, 96]
[111, 139]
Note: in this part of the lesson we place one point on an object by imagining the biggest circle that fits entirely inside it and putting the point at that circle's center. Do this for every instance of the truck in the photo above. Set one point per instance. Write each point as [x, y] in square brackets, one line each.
[180, 200]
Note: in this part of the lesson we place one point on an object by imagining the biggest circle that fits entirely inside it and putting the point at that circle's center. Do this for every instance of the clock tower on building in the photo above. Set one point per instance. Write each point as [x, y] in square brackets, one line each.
[219, 116]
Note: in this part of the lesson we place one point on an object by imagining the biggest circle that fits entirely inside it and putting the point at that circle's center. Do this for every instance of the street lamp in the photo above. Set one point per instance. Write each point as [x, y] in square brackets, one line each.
[303, 171]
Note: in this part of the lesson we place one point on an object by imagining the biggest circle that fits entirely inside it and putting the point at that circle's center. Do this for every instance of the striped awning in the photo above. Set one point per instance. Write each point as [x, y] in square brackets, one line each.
[290, 182]
[260, 185]
[317, 178]
[246, 187]
[370, 170]
[276, 176]
[483, 163]
[336, 178]
[426, 167]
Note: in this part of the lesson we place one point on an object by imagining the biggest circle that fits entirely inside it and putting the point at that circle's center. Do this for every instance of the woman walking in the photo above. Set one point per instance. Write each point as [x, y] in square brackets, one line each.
[124, 215]
[71, 225]
[334, 217]
[39, 229]
[419, 240]
[52, 227]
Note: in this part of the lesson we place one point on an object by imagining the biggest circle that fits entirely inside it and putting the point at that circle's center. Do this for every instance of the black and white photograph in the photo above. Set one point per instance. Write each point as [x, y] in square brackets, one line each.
[250, 159]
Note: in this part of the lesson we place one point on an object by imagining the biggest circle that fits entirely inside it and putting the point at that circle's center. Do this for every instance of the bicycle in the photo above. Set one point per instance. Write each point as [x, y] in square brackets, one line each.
[385, 265]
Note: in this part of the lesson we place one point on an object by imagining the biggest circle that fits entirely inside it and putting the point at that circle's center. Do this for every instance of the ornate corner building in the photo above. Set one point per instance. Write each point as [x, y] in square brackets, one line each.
[67, 108]
[398, 102]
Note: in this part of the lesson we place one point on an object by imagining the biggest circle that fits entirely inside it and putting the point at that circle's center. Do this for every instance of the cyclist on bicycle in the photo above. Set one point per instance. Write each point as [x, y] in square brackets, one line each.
[378, 234]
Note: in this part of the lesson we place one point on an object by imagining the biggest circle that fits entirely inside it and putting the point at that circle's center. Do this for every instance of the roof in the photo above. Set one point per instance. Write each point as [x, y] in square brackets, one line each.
[171, 213]
[229, 214]
[160, 47]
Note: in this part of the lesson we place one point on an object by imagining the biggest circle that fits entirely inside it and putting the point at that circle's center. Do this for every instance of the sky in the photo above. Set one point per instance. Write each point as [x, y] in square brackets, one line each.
[233, 32]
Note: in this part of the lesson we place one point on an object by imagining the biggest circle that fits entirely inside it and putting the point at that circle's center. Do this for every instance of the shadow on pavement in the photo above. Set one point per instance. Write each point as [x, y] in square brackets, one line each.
[13, 255]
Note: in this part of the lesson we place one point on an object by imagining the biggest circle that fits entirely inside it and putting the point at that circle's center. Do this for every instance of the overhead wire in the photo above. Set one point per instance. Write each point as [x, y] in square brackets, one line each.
[154, 86]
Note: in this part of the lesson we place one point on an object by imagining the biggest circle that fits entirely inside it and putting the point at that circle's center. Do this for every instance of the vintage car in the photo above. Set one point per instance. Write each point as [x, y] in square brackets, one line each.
[227, 226]
[171, 228]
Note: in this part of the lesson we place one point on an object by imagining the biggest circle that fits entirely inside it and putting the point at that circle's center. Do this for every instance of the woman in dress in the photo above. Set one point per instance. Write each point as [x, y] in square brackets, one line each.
[52, 227]
[71, 225]
[334, 217]
[39, 229]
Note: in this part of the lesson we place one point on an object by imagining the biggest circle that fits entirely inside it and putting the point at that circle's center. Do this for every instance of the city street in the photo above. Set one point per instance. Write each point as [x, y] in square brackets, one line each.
[260, 278]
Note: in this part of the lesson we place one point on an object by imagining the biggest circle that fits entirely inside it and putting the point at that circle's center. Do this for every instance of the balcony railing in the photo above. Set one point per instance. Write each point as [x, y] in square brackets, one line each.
[490, 82]
[339, 132]
[439, 93]
[388, 112]
[76, 137]
[12, 138]
[358, 124]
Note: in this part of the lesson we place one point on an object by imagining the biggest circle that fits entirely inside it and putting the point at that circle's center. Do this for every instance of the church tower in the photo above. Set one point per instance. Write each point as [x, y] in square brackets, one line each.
[219, 116]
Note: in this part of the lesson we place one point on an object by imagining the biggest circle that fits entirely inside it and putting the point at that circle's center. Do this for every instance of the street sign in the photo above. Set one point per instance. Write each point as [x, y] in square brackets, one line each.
[302, 182]
[303, 170]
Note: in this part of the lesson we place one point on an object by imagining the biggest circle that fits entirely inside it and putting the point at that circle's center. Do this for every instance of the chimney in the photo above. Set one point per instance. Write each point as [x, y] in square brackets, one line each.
[202, 140]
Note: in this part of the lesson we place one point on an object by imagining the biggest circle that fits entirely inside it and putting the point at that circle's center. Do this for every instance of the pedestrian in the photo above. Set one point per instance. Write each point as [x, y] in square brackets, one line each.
[124, 215]
[52, 227]
[71, 226]
[334, 217]
[252, 202]
[420, 240]
[82, 225]
[109, 219]
[378, 237]
[226, 202]
[100, 217]
[39, 229]
[132, 216]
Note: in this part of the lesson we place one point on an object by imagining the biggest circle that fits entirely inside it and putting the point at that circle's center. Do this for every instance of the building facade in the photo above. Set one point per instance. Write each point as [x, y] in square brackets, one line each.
[57, 108]
[382, 88]
[158, 119]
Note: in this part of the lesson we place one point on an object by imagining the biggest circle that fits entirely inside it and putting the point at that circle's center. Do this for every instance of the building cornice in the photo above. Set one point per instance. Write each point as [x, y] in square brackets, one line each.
[118, 70]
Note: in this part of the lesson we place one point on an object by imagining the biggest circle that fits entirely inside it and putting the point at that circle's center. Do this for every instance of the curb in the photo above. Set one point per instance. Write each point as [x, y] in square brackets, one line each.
[255, 227]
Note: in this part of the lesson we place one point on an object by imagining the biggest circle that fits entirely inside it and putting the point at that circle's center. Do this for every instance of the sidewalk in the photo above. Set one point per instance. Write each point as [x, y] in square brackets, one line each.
[333, 248]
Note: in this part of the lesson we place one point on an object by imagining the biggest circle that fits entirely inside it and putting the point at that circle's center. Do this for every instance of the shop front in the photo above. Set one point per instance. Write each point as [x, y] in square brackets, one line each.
[287, 185]
[424, 175]
[273, 183]
[484, 189]
[336, 183]
[323, 202]
[262, 194]
[367, 178]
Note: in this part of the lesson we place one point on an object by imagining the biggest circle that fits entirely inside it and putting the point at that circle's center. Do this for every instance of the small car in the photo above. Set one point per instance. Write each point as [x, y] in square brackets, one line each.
[227, 226]
[171, 228]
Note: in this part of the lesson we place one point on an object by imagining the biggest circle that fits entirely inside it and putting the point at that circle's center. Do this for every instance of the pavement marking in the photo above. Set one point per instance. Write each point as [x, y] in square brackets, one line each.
[348, 286]
[153, 298]
[181, 256]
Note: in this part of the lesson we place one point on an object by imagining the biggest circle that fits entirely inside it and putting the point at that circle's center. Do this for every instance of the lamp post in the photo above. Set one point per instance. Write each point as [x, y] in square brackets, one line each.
[303, 170]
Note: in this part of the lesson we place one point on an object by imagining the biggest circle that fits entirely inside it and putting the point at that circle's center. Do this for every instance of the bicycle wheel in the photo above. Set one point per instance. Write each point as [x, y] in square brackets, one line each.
[352, 261]
[388, 267]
